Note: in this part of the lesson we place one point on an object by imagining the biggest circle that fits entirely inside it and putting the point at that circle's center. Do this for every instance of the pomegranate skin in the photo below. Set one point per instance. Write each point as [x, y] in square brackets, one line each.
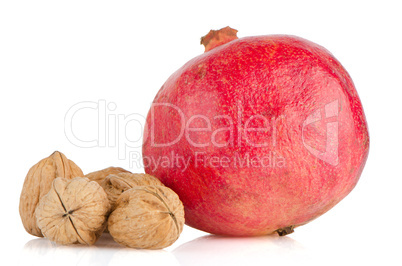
[258, 135]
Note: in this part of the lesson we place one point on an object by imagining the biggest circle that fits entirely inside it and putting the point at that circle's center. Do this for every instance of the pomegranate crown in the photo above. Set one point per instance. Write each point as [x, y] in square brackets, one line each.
[215, 38]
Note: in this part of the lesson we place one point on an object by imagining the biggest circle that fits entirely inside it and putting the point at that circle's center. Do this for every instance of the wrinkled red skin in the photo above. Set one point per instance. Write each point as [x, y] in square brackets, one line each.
[284, 79]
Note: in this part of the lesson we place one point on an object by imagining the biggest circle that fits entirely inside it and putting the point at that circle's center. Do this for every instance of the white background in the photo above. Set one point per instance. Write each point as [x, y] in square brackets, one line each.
[57, 54]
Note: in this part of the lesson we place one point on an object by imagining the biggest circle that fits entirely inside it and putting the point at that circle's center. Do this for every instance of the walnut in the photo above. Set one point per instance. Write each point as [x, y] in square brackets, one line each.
[74, 211]
[115, 185]
[38, 182]
[98, 176]
[149, 217]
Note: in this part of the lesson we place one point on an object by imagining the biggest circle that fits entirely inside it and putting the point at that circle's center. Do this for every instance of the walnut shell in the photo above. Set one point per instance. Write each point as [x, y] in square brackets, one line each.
[38, 182]
[115, 184]
[74, 211]
[98, 176]
[149, 217]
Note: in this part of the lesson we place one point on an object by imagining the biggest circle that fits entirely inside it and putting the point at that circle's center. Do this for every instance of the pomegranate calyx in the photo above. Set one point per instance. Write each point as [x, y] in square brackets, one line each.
[216, 38]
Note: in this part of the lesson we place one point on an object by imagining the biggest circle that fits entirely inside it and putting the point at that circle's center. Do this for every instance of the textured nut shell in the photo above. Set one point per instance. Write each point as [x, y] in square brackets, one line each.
[38, 182]
[74, 211]
[98, 176]
[115, 185]
[149, 217]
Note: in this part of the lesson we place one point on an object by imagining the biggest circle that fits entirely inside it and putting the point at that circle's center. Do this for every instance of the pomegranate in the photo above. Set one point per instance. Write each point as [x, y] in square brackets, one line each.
[257, 135]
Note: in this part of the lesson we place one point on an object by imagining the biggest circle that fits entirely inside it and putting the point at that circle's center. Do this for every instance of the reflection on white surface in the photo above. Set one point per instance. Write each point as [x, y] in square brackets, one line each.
[206, 250]
[217, 250]
[126, 256]
[41, 251]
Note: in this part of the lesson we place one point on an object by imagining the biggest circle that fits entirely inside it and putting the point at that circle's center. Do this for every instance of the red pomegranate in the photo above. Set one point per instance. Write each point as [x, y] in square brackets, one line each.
[257, 135]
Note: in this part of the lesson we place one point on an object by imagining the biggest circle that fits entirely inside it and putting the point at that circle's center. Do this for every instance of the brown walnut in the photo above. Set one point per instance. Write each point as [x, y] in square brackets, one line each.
[38, 182]
[149, 217]
[98, 176]
[73, 212]
[115, 184]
